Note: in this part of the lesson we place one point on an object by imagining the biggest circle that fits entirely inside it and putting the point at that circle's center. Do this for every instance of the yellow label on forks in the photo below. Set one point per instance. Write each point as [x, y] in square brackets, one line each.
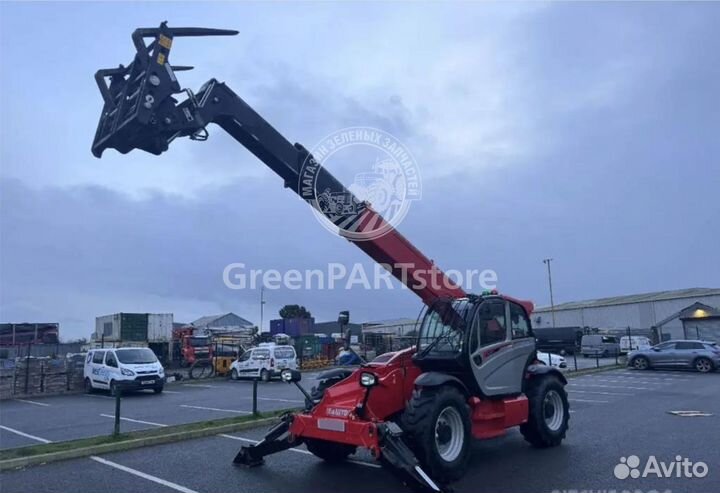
[161, 59]
[165, 42]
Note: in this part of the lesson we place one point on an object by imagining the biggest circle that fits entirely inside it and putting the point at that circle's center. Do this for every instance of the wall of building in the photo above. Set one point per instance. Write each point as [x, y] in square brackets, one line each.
[635, 315]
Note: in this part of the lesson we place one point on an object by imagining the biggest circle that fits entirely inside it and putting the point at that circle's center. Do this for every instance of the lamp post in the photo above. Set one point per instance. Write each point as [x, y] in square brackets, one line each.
[262, 307]
[552, 301]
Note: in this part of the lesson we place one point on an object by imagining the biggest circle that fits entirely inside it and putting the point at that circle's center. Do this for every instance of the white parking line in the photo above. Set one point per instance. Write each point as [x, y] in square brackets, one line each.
[26, 435]
[97, 396]
[598, 392]
[201, 386]
[301, 451]
[33, 402]
[644, 382]
[171, 392]
[216, 409]
[278, 400]
[609, 386]
[143, 475]
[588, 400]
[134, 420]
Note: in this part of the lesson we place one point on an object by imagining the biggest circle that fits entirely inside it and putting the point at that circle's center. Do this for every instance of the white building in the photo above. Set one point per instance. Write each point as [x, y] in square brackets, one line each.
[662, 310]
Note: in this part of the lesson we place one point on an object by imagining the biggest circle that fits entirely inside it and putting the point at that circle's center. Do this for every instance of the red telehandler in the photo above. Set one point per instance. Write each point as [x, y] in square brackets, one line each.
[473, 372]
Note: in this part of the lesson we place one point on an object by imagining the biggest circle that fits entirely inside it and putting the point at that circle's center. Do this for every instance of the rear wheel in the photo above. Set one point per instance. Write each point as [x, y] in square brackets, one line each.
[329, 451]
[640, 363]
[265, 376]
[703, 365]
[548, 414]
[437, 423]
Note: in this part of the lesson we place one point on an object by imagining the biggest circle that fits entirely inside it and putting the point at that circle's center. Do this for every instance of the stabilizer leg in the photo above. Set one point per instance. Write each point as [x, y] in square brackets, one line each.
[403, 463]
[276, 440]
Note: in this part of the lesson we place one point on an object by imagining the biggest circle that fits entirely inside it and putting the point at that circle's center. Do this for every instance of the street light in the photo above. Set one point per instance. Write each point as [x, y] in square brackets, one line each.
[262, 305]
[552, 302]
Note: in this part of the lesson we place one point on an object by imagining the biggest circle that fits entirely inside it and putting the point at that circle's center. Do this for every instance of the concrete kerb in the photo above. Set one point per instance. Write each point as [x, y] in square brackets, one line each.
[105, 448]
[589, 371]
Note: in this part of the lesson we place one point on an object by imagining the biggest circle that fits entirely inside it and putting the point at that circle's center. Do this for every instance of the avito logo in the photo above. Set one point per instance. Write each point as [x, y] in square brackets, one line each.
[681, 467]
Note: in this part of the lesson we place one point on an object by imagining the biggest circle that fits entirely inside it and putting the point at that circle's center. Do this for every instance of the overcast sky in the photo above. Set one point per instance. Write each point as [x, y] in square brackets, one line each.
[584, 132]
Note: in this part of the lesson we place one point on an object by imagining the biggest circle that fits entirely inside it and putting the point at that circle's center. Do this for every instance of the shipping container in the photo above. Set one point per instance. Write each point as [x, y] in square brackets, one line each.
[307, 347]
[134, 326]
[292, 326]
[160, 327]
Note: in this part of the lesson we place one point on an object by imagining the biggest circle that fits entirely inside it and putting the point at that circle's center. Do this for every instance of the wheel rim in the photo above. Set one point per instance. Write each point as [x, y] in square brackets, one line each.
[640, 363]
[553, 410]
[449, 434]
[703, 365]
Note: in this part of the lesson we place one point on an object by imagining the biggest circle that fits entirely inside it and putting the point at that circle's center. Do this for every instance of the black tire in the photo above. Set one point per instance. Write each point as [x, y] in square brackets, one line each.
[265, 375]
[113, 388]
[158, 390]
[329, 451]
[703, 365]
[425, 430]
[640, 363]
[541, 393]
[234, 375]
[88, 386]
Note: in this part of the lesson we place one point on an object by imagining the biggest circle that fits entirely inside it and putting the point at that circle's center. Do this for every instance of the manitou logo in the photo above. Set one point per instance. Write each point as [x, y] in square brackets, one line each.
[681, 467]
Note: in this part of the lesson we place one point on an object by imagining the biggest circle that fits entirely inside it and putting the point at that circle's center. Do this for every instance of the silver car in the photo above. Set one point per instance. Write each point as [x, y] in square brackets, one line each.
[704, 356]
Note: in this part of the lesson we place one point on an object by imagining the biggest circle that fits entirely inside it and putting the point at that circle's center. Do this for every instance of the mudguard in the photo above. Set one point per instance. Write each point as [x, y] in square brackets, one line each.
[340, 373]
[537, 370]
[436, 379]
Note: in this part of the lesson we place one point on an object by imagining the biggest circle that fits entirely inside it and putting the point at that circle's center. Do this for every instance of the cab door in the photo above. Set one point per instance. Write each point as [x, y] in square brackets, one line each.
[500, 345]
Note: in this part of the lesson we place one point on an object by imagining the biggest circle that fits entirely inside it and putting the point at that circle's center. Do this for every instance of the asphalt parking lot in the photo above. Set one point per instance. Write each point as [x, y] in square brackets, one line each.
[74, 416]
[614, 414]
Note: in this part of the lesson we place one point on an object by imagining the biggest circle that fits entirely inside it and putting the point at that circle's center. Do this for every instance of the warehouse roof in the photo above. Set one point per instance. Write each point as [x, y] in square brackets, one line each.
[634, 298]
[208, 319]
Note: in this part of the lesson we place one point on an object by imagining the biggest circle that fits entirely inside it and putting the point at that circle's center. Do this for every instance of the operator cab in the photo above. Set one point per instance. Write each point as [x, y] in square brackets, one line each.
[485, 341]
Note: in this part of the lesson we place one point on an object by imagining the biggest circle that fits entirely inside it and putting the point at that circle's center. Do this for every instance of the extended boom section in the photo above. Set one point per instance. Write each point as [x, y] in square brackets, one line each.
[143, 111]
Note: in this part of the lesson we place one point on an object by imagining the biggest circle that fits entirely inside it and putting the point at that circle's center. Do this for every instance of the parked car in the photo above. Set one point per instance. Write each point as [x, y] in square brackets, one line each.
[633, 343]
[264, 362]
[599, 345]
[134, 368]
[703, 356]
[551, 359]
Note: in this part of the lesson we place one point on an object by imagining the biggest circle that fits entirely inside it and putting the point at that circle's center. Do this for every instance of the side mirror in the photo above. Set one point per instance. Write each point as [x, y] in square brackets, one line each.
[290, 376]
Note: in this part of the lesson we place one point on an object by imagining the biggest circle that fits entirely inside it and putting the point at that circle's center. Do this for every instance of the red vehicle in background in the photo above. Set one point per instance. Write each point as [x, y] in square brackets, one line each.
[189, 347]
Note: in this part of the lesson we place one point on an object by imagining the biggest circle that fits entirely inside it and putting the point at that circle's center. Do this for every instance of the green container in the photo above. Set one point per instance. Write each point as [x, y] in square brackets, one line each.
[134, 326]
[307, 347]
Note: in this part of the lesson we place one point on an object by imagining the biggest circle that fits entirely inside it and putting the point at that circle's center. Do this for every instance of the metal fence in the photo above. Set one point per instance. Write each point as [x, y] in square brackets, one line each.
[32, 375]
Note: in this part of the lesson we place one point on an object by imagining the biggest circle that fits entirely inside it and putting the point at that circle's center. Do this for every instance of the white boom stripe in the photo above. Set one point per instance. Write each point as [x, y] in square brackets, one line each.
[111, 416]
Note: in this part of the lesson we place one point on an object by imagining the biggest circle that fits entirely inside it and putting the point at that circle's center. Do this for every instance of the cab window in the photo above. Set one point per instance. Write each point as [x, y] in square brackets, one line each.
[245, 356]
[493, 328]
[261, 354]
[110, 360]
[519, 323]
[98, 357]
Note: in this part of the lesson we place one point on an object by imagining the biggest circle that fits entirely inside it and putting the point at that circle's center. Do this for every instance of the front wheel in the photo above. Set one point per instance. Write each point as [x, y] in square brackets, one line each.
[549, 412]
[265, 376]
[329, 451]
[234, 375]
[113, 388]
[703, 365]
[437, 423]
[89, 389]
[640, 363]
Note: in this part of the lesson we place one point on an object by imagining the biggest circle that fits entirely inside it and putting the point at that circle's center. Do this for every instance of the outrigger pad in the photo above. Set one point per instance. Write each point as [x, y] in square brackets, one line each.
[403, 462]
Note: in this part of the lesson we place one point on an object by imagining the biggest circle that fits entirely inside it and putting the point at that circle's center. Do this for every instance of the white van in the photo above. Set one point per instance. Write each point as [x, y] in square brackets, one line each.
[133, 367]
[633, 343]
[264, 362]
